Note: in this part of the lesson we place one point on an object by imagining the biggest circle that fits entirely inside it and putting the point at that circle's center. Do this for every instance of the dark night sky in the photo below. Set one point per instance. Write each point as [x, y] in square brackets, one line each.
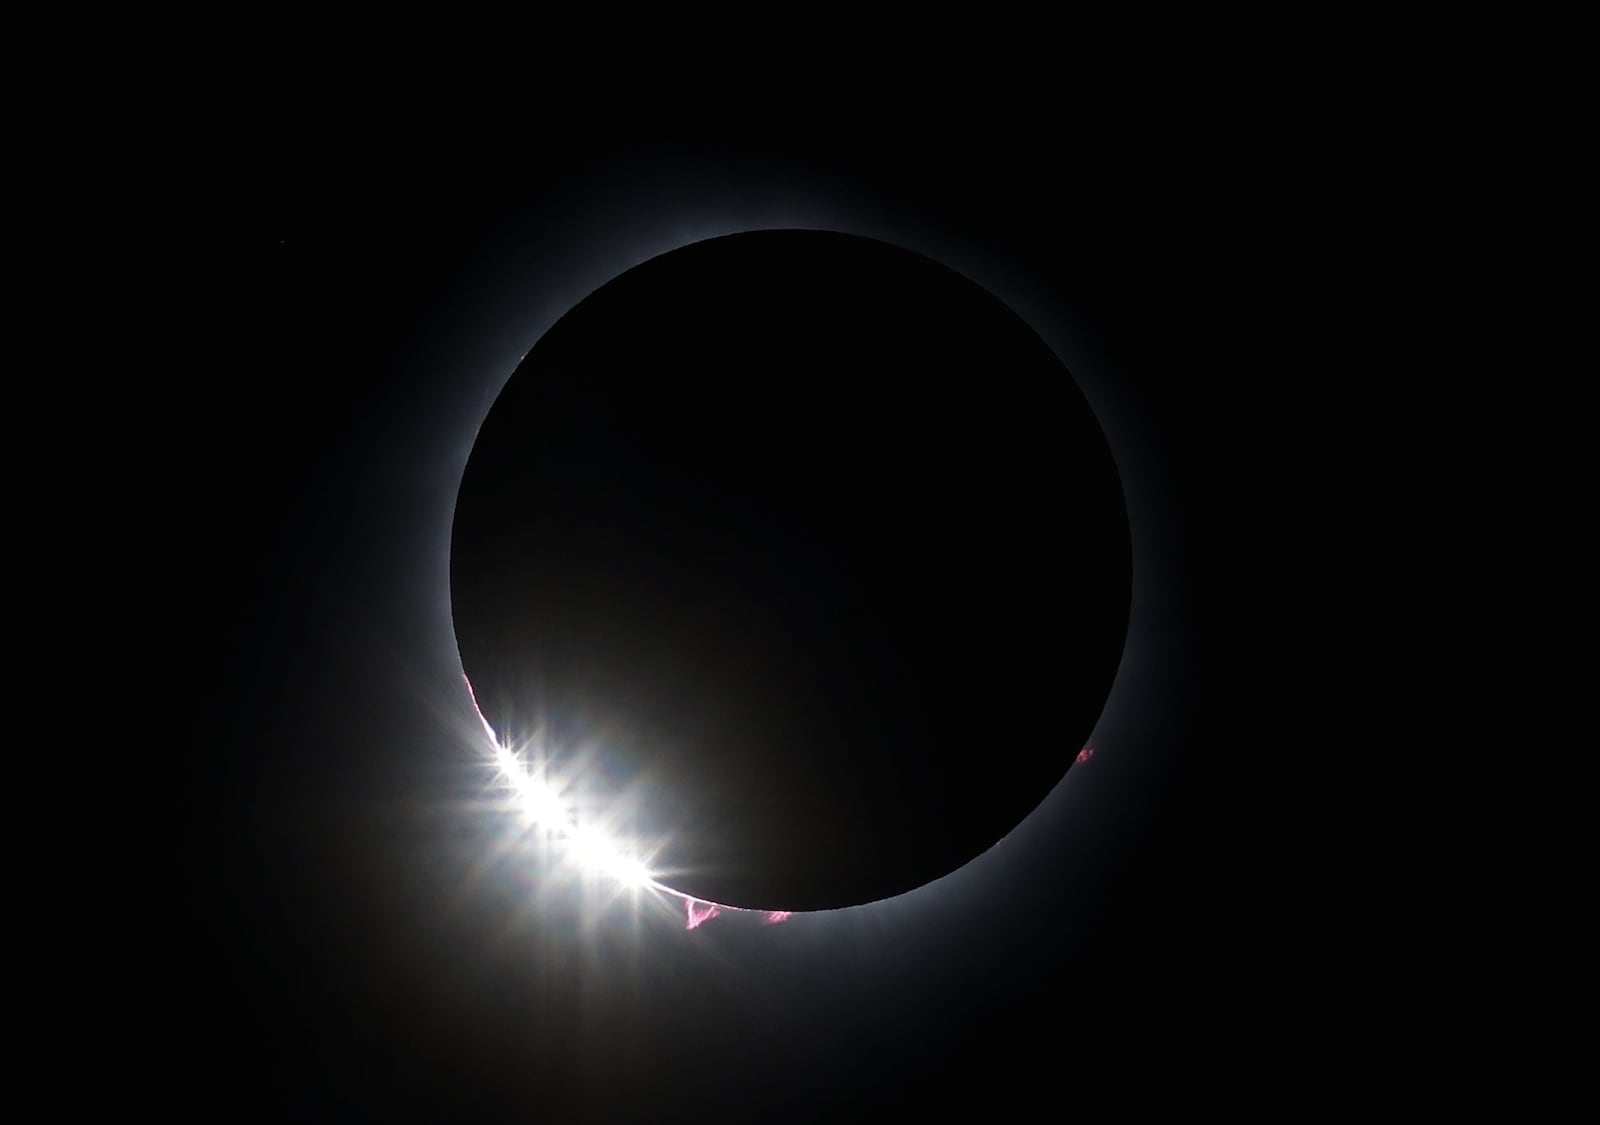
[358, 944]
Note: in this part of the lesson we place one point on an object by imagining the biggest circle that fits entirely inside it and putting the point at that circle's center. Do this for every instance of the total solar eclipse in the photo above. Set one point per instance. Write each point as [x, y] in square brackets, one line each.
[799, 556]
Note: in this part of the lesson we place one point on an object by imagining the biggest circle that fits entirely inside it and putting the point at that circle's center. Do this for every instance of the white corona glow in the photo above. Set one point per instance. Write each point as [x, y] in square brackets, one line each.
[542, 805]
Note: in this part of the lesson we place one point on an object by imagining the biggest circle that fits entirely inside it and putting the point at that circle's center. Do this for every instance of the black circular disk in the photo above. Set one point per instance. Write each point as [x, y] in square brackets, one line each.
[803, 557]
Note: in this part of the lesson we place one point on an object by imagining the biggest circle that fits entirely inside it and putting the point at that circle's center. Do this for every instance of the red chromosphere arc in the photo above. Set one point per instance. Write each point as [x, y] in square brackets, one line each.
[699, 912]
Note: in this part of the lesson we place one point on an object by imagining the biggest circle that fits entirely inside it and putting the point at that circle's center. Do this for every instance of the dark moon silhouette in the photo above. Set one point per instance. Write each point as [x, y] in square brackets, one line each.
[803, 556]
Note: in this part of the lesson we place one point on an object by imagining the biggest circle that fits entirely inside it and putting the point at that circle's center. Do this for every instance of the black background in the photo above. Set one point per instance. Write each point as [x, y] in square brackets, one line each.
[347, 948]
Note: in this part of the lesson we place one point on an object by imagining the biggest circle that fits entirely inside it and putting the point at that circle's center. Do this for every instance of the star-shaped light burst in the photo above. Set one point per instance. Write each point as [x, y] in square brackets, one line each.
[541, 805]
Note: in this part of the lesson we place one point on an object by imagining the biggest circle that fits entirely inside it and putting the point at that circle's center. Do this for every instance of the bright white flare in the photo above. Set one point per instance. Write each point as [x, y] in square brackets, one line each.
[543, 806]
[596, 852]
